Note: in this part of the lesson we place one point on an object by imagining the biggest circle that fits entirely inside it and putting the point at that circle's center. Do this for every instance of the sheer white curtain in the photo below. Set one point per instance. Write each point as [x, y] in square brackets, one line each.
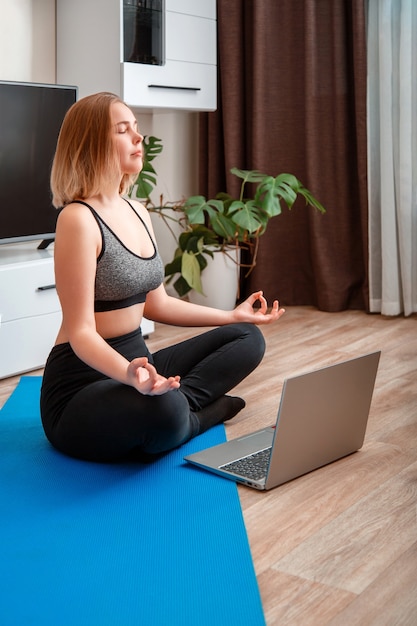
[392, 155]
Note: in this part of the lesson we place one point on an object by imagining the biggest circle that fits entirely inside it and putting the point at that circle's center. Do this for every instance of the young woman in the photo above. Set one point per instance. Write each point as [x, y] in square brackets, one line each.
[104, 395]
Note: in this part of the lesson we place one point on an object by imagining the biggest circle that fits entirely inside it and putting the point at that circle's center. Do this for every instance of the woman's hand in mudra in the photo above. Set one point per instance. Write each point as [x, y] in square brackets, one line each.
[255, 310]
[145, 379]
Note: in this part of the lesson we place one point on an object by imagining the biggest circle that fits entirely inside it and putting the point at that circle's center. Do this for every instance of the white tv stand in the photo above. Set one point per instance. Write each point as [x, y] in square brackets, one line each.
[30, 312]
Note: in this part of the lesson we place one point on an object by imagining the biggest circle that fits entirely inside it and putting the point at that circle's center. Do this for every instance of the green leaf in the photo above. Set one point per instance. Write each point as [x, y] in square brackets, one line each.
[248, 176]
[145, 184]
[311, 200]
[146, 179]
[197, 207]
[152, 146]
[224, 226]
[188, 240]
[194, 244]
[181, 286]
[194, 209]
[246, 215]
[174, 267]
[268, 195]
[190, 270]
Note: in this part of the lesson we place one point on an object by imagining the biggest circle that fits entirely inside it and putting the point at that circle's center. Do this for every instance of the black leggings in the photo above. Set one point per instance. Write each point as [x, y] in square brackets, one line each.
[90, 416]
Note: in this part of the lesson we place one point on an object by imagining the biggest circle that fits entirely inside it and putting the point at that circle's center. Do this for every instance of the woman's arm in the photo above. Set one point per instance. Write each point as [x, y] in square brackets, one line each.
[160, 307]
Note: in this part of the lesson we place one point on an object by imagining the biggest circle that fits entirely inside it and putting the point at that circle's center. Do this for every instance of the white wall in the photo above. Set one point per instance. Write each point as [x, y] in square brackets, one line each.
[27, 40]
[28, 53]
[177, 165]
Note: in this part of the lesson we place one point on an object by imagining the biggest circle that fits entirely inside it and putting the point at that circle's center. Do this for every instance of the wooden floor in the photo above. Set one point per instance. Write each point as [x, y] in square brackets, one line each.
[337, 546]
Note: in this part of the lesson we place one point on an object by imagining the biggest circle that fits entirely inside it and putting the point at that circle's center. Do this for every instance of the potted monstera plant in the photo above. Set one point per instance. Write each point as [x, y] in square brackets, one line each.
[214, 231]
[224, 225]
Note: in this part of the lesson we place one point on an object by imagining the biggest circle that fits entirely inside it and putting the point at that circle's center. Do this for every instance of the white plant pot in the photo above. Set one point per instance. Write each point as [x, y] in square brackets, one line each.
[220, 280]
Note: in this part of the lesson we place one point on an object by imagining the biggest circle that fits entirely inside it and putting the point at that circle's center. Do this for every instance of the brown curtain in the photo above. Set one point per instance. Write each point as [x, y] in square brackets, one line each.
[292, 98]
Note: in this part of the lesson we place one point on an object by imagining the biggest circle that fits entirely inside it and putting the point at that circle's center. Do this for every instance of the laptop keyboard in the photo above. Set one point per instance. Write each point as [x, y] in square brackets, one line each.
[254, 466]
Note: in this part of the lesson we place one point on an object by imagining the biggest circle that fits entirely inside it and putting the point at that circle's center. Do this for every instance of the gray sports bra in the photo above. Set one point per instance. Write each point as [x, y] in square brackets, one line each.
[122, 277]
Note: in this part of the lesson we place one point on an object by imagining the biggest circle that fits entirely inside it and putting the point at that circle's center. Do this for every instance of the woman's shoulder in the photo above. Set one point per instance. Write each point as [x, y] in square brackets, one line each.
[78, 205]
[77, 221]
[138, 206]
[140, 209]
[76, 211]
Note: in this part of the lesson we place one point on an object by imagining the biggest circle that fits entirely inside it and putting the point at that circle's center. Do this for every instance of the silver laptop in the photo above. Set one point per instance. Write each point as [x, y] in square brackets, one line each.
[322, 417]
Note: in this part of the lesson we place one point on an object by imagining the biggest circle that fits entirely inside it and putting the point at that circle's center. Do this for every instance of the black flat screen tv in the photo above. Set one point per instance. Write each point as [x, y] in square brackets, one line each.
[31, 115]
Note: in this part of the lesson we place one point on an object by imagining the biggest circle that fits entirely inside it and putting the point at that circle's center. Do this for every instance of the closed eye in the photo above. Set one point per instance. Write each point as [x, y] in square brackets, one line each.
[123, 127]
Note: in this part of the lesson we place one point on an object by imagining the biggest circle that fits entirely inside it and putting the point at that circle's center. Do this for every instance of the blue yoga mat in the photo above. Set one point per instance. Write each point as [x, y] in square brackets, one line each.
[142, 545]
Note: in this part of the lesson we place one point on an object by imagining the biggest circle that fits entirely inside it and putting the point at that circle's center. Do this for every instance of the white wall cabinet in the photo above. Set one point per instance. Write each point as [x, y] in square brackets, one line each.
[91, 37]
[30, 313]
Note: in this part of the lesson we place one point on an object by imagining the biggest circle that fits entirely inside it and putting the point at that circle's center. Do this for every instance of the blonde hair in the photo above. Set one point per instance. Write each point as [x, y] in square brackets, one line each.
[85, 156]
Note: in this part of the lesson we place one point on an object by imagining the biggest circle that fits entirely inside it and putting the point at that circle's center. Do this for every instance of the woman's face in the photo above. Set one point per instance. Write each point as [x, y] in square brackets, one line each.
[127, 138]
